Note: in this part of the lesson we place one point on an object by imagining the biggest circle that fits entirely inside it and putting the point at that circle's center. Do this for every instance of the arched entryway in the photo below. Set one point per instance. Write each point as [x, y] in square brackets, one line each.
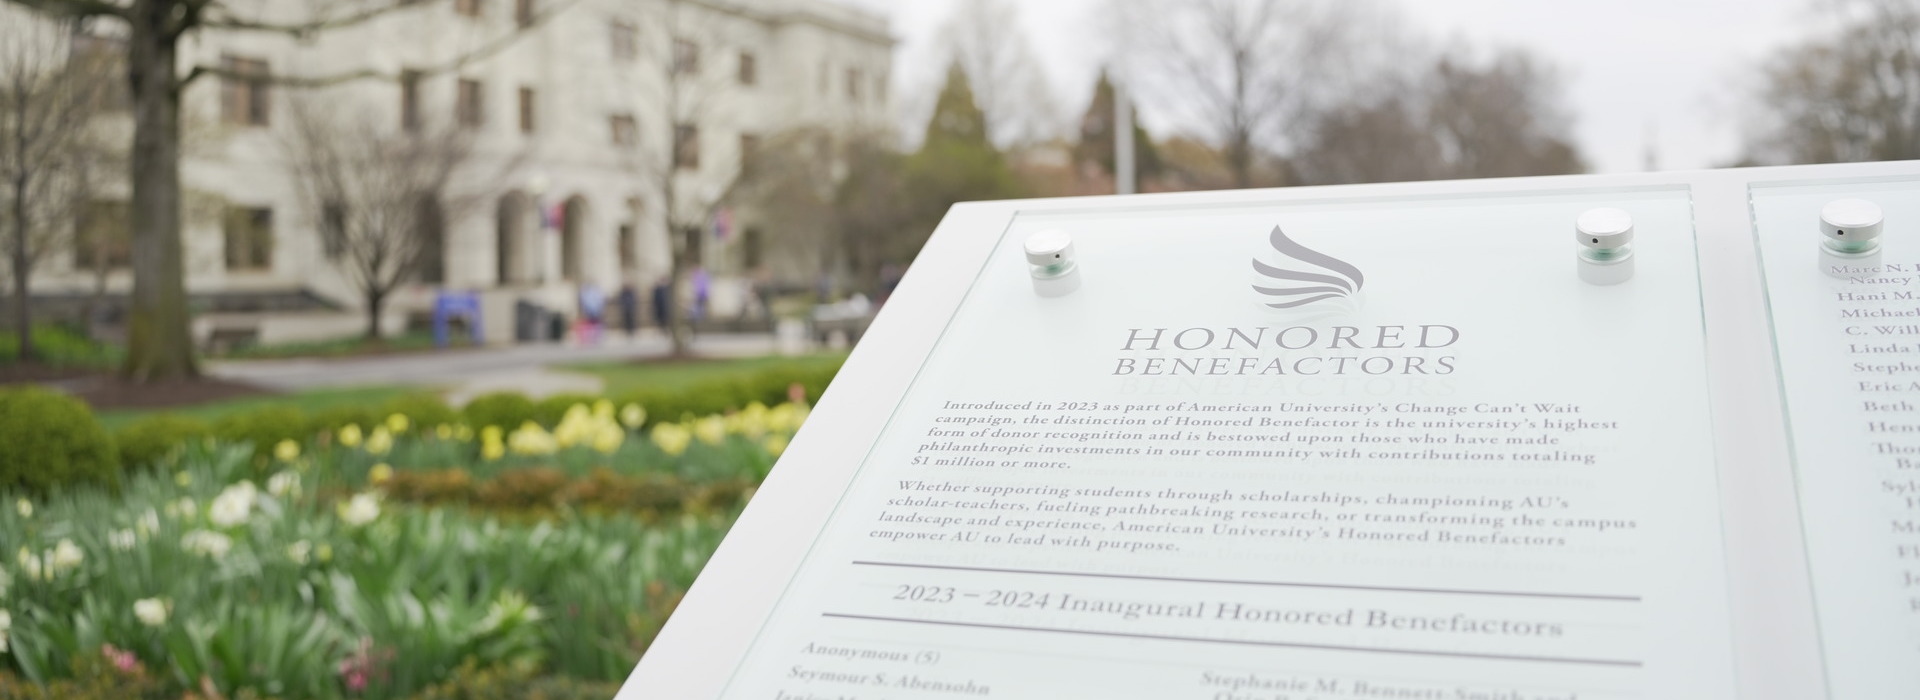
[514, 230]
[629, 238]
[573, 230]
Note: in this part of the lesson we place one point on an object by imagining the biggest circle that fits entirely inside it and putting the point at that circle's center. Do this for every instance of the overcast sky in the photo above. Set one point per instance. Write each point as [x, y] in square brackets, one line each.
[1672, 70]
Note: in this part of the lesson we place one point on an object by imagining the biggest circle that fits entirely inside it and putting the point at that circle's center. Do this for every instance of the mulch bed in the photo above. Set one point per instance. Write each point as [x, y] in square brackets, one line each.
[105, 391]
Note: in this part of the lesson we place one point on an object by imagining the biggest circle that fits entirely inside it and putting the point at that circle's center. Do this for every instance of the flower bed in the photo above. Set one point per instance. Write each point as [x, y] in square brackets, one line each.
[399, 561]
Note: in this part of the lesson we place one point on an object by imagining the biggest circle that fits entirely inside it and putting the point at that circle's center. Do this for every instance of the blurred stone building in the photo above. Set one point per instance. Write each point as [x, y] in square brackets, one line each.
[580, 111]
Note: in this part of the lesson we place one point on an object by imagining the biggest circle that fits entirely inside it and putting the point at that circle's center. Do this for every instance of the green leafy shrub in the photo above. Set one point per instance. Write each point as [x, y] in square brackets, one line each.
[505, 409]
[59, 346]
[265, 427]
[93, 679]
[550, 410]
[50, 440]
[423, 410]
[148, 440]
[430, 486]
[770, 387]
[523, 489]
[334, 418]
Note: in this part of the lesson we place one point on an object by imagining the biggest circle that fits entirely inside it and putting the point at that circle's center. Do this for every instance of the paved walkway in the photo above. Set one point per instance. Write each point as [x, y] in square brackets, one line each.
[470, 372]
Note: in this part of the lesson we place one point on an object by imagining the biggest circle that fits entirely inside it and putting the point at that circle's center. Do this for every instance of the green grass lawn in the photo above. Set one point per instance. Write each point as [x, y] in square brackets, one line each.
[309, 401]
[622, 377]
[343, 347]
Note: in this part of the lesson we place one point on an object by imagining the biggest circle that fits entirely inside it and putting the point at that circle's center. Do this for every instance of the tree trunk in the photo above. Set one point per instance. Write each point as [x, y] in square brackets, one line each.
[680, 330]
[22, 265]
[159, 336]
[376, 302]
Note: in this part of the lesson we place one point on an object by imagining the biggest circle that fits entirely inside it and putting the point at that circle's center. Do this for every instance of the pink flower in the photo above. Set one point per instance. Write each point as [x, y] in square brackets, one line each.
[124, 661]
[364, 666]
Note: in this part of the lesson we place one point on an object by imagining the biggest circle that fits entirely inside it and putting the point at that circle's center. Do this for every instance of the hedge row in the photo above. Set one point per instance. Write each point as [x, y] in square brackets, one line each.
[546, 490]
[152, 438]
[48, 440]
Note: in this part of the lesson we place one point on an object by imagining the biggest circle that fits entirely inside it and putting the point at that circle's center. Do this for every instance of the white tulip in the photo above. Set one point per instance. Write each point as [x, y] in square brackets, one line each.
[66, 556]
[360, 510]
[207, 543]
[233, 505]
[151, 611]
[284, 484]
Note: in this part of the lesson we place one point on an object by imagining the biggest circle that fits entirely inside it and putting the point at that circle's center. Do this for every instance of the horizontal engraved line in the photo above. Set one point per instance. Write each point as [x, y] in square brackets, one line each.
[1250, 642]
[1281, 584]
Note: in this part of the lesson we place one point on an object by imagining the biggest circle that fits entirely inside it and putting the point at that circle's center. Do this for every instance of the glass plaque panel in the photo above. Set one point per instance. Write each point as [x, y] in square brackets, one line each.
[1345, 449]
[1847, 332]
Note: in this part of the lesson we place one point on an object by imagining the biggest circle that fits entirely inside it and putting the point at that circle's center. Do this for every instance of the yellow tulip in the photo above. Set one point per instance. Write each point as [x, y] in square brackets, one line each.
[380, 473]
[380, 441]
[710, 430]
[492, 446]
[671, 438]
[633, 416]
[350, 436]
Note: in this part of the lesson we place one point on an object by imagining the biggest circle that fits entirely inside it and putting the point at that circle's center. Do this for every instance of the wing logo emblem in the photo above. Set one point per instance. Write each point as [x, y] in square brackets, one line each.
[1319, 277]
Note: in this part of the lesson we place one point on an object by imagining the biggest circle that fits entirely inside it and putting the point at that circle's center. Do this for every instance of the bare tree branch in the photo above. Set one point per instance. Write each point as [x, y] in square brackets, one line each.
[78, 8]
[489, 49]
[227, 18]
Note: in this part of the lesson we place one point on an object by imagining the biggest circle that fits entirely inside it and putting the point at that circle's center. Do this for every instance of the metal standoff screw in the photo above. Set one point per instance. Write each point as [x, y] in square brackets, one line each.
[1605, 234]
[1851, 226]
[1050, 253]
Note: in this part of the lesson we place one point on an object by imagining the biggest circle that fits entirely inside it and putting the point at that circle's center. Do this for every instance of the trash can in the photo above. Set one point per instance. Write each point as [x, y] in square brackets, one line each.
[530, 321]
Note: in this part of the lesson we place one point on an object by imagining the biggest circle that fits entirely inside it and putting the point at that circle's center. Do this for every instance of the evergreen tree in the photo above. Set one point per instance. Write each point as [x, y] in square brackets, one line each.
[957, 120]
[956, 162]
[1096, 136]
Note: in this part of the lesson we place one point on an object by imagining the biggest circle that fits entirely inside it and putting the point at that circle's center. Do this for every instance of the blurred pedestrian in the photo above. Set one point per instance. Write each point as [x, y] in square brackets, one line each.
[593, 310]
[629, 309]
[663, 302]
[702, 289]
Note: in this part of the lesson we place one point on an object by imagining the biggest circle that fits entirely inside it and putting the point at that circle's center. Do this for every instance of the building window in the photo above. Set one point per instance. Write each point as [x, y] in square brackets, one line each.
[431, 228]
[626, 40]
[853, 84]
[333, 230]
[523, 12]
[749, 69]
[470, 105]
[103, 236]
[629, 258]
[749, 150]
[826, 78]
[880, 88]
[249, 237]
[686, 57]
[470, 8]
[243, 90]
[410, 100]
[526, 110]
[686, 146]
[626, 132]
